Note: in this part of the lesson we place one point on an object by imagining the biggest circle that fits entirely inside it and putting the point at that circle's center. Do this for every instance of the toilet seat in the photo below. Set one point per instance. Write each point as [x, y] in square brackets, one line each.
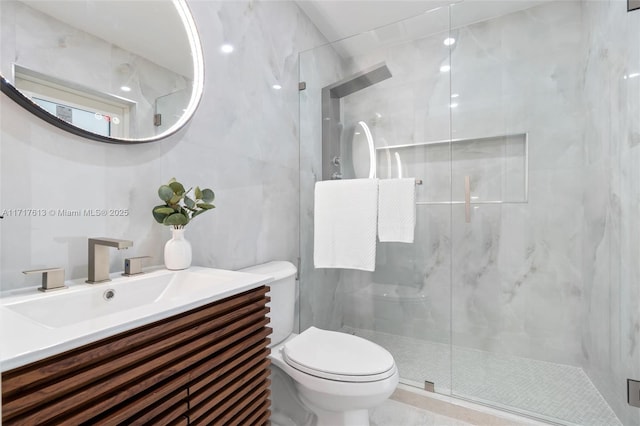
[338, 356]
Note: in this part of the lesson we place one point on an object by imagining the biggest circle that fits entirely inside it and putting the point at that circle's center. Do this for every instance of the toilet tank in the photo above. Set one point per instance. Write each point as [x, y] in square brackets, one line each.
[283, 296]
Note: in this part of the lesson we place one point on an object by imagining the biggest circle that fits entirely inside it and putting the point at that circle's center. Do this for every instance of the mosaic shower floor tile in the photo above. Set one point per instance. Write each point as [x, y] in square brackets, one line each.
[556, 392]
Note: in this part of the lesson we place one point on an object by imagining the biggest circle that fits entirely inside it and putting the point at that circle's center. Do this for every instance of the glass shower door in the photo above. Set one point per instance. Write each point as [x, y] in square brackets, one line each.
[522, 254]
[404, 305]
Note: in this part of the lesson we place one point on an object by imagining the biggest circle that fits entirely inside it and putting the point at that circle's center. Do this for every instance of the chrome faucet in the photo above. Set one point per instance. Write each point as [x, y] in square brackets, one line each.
[99, 257]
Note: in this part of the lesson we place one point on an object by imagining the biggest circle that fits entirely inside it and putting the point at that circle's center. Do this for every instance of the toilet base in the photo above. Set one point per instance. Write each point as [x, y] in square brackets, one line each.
[336, 403]
[338, 418]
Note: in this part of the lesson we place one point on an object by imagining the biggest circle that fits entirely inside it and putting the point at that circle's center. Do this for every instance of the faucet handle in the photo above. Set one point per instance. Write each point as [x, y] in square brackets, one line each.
[133, 265]
[52, 278]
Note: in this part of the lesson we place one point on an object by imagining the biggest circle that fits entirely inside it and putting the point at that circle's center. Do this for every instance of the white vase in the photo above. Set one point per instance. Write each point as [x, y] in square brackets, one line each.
[177, 251]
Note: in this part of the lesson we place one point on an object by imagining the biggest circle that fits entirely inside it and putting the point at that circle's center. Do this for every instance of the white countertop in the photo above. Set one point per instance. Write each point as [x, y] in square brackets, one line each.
[35, 325]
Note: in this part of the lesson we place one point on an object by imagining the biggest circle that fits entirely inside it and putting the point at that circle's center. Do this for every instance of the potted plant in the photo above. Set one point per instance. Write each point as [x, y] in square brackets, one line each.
[177, 211]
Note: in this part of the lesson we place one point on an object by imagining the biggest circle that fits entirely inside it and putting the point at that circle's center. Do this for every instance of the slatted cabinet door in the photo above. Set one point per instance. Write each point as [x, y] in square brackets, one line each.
[207, 366]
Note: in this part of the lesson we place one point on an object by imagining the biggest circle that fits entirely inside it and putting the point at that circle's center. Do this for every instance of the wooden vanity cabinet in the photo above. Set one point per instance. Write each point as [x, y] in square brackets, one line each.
[207, 366]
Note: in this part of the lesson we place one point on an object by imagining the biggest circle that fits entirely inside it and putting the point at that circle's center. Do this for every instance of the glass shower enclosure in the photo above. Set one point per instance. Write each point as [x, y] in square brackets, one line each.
[521, 124]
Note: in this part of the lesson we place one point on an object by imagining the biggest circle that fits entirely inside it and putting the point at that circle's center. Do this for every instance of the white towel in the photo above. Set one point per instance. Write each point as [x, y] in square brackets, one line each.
[345, 224]
[397, 210]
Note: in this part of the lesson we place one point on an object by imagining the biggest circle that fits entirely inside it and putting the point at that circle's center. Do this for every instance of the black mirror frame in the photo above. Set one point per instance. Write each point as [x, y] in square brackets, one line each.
[26, 103]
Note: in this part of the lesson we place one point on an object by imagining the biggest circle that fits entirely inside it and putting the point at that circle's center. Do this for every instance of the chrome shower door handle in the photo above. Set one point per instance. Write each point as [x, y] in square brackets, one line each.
[467, 199]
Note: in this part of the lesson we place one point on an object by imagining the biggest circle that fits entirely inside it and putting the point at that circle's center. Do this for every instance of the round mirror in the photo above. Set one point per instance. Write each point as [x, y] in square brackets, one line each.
[109, 70]
[363, 152]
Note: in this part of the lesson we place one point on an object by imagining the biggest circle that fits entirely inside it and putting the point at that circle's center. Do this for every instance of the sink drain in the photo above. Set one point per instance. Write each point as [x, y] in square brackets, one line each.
[109, 294]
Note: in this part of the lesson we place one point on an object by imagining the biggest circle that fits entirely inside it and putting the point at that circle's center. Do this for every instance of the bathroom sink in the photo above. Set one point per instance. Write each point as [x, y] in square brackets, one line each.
[34, 325]
[89, 302]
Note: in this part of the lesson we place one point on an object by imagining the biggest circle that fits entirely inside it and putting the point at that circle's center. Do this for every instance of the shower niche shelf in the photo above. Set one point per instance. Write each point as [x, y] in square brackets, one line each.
[497, 166]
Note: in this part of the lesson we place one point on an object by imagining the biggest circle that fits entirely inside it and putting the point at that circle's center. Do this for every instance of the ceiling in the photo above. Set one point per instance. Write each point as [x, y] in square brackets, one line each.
[335, 19]
[339, 19]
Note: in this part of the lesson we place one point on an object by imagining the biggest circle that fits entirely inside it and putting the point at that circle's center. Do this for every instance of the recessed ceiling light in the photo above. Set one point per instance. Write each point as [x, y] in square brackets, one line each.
[453, 105]
[449, 41]
[125, 88]
[455, 95]
[445, 68]
[634, 75]
[277, 87]
[226, 48]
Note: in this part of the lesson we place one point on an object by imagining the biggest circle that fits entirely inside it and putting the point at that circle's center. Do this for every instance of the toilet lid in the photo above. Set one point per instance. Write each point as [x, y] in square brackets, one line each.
[338, 356]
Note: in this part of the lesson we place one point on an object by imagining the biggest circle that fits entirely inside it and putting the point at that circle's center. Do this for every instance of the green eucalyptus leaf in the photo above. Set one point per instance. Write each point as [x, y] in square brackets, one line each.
[186, 213]
[207, 195]
[176, 219]
[180, 208]
[175, 199]
[189, 203]
[206, 206]
[164, 210]
[177, 188]
[159, 217]
[165, 193]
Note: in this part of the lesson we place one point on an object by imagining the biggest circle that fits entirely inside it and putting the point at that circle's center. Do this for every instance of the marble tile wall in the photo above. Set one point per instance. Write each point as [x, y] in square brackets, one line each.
[611, 272]
[242, 142]
[516, 267]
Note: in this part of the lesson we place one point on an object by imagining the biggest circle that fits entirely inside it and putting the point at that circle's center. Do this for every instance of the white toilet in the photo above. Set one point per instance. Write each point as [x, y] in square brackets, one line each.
[338, 376]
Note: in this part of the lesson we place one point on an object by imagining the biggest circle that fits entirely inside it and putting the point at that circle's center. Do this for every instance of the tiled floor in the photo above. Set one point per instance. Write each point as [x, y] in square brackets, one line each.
[555, 392]
[411, 407]
[394, 413]
[390, 413]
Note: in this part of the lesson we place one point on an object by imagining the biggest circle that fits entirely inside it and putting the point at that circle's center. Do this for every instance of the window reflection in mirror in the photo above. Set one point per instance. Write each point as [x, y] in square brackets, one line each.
[83, 107]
